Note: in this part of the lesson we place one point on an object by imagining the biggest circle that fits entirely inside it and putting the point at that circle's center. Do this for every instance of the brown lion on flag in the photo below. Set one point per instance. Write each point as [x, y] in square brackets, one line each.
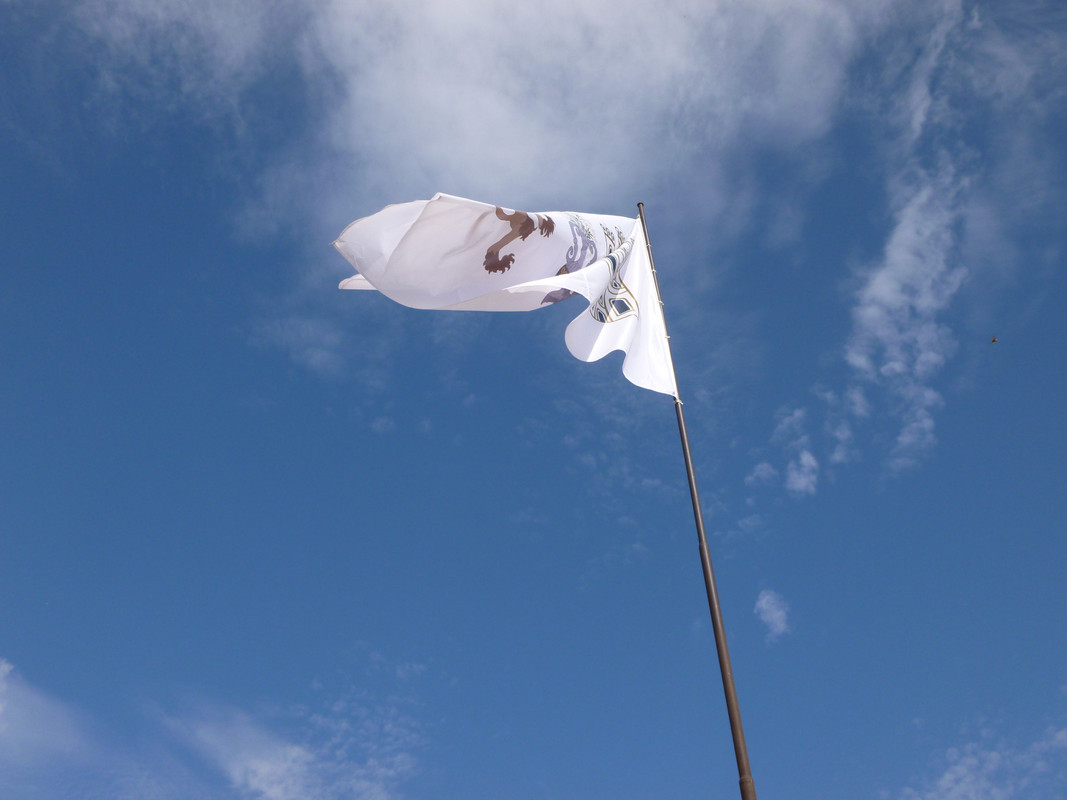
[522, 225]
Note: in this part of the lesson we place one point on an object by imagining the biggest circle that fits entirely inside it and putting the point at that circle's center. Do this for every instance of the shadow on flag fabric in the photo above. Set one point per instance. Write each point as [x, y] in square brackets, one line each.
[457, 254]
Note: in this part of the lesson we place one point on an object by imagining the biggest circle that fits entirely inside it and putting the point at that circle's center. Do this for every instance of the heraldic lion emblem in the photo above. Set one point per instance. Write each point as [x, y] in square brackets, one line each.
[521, 226]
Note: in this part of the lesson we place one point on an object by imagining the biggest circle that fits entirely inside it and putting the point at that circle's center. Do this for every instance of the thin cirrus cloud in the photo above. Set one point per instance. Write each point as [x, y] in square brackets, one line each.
[990, 769]
[963, 100]
[350, 753]
[354, 747]
[35, 728]
[946, 226]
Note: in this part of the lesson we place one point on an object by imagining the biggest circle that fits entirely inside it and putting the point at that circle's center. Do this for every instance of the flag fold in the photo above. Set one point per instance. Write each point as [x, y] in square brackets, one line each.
[457, 254]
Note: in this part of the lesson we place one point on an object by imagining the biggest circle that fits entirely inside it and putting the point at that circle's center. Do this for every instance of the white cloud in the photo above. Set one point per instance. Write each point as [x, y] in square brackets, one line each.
[256, 761]
[204, 52]
[790, 426]
[896, 335]
[897, 341]
[383, 425]
[842, 433]
[480, 98]
[750, 523]
[969, 98]
[6, 669]
[36, 728]
[47, 746]
[802, 474]
[346, 753]
[857, 402]
[313, 343]
[402, 98]
[773, 611]
[802, 470]
[408, 670]
[354, 747]
[762, 473]
[988, 770]
[919, 105]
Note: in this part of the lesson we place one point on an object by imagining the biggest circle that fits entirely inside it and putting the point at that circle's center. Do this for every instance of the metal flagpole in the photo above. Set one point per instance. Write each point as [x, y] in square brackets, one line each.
[748, 788]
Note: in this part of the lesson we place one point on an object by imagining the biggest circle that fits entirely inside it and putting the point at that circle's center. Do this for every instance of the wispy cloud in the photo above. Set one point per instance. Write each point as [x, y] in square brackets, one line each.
[34, 726]
[405, 102]
[939, 175]
[773, 611]
[802, 471]
[48, 746]
[383, 425]
[479, 99]
[201, 55]
[354, 746]
[897, 340]
[802, 474]
[347, 751]
[998, 770]
[963, 98]
[762, 473]
[317, 345]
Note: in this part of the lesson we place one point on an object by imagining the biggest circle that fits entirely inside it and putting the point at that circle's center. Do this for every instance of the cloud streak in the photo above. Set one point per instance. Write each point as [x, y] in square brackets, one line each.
[897, 340]
[988, 770]
[36, 728]
[354, 747]
[347, 753]
[945, 224]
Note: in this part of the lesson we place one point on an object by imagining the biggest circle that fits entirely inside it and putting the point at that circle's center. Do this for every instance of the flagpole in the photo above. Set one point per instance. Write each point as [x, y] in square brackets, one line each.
[748, 788]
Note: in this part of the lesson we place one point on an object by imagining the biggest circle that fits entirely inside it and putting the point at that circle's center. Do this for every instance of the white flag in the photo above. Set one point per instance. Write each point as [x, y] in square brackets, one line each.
[451, 253]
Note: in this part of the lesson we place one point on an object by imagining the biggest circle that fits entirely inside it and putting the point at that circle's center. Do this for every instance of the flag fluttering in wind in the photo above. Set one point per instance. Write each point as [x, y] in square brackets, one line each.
[457, 254]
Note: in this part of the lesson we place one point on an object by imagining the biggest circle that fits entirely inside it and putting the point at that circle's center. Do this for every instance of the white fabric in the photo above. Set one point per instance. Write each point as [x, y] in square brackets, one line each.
[451, 253]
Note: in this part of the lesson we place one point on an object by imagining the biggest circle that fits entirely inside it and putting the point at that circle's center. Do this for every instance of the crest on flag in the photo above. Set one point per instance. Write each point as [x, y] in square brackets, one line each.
[617, 302]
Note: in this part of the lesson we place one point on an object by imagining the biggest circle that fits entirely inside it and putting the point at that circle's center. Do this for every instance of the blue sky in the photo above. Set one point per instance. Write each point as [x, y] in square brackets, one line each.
[265, 539]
